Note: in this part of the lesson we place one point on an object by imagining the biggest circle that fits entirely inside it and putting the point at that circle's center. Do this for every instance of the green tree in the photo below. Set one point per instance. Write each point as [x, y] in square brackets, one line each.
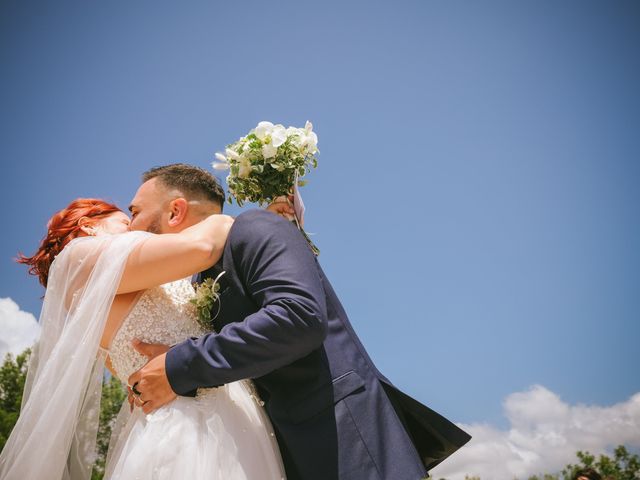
[113, 394]
[12, 377]
[623, 466]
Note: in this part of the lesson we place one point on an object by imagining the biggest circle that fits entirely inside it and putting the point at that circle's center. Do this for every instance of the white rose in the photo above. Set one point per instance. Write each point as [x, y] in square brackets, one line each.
[269, 150]
[263, 129]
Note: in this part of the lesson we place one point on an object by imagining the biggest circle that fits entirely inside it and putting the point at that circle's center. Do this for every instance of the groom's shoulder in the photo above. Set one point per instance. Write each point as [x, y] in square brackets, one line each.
[255, 214]
[257, 223]
[258, 218]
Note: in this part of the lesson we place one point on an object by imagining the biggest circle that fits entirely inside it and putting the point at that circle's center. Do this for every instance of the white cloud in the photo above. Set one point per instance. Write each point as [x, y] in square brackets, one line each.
[544, 435]
[18, 329]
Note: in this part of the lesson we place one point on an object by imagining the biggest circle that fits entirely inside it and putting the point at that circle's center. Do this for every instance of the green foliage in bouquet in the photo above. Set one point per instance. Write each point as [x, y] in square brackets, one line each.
[266, 163]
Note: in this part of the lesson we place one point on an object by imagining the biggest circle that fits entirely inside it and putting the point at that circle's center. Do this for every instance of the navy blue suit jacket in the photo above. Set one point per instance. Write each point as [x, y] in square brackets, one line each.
[281, 324]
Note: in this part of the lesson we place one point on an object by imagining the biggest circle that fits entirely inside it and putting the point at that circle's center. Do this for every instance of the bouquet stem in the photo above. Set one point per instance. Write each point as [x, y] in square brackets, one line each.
[294, 219]
[314, 249]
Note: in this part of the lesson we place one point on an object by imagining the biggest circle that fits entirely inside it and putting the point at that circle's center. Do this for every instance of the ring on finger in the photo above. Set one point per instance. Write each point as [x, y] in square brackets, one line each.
[135, 391]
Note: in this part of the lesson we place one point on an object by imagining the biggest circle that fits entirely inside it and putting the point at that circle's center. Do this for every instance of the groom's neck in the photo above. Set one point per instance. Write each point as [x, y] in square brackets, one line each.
[193, 218]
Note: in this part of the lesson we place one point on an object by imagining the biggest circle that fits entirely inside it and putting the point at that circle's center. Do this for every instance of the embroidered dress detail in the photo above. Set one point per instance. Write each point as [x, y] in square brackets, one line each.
[221, 434]
[164, 315]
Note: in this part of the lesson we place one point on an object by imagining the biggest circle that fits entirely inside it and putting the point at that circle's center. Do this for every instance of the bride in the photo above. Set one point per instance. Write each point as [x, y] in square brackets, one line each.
[105, 287]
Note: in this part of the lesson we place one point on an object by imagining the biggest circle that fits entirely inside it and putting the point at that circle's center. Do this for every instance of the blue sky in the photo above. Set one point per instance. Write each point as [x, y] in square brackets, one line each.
[476, 201]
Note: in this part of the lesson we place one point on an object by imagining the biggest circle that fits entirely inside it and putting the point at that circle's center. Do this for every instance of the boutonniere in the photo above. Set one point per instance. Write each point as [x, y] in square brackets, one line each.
[206, 299]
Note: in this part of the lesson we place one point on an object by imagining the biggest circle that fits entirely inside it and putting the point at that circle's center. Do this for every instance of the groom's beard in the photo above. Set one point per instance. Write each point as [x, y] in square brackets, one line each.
[154, 225]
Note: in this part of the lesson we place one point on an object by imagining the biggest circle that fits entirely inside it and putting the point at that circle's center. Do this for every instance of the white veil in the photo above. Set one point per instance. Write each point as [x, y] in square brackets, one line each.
[55, 435]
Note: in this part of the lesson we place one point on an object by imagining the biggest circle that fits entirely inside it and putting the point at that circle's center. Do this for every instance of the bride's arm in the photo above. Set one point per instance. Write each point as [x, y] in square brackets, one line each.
[163, 258]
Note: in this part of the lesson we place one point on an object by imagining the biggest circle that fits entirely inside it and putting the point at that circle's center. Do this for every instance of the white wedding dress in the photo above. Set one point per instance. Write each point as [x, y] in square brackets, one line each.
[223, 433]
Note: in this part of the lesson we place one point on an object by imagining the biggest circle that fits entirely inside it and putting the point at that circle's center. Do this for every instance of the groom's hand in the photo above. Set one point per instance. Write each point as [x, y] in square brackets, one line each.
[151, 380]
[283, 206]
[149, 350]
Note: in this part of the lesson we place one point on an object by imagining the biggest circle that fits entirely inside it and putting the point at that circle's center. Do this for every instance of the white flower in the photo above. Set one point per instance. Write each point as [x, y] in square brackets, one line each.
[221, 157]
[309, 138]
[269, 150]
[297, 135]
[232, 154]
[310, 142]
[278, 135]
[245, 168]
[263, 129]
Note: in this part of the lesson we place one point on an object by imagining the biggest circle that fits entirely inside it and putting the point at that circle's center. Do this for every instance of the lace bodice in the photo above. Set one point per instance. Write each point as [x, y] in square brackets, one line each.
[162, 314]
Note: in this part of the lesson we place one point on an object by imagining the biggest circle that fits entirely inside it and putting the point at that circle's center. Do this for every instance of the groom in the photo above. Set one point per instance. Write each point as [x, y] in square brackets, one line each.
[281, 324]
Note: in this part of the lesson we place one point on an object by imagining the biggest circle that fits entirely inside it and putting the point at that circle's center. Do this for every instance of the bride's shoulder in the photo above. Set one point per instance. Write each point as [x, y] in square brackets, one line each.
[81, 255]
[78, 248]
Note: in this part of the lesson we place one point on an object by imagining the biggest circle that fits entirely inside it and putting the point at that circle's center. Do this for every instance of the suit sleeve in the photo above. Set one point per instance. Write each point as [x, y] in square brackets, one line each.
[279, 272]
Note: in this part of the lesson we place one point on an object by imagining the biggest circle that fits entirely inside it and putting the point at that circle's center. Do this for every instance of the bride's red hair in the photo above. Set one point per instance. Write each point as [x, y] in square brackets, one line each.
[61, 229]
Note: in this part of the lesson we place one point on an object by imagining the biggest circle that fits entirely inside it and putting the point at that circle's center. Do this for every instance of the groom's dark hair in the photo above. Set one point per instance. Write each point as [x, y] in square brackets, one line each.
[194, 182]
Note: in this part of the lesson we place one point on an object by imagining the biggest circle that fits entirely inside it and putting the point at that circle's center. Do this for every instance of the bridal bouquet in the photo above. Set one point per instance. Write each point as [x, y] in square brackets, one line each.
[268, 163]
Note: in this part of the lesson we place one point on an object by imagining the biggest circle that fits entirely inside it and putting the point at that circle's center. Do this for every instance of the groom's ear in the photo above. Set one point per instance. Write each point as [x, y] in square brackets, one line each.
[178, 210]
